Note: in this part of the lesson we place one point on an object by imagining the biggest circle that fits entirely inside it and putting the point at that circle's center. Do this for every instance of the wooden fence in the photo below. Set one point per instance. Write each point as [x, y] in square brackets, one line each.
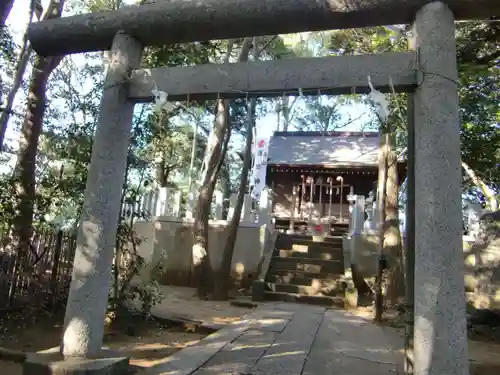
[46, 281]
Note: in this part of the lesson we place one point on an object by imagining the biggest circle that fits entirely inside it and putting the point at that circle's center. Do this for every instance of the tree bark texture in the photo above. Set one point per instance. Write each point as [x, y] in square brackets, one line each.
[177, 21]
[201, 257]
[22, 63]
[222, 284]
[31, 129]
[381, 198]
[214, 156]
[393, 247]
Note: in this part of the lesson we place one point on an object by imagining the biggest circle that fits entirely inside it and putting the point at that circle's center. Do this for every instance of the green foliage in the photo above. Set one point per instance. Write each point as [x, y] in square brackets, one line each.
[319, 114]
[479, 90]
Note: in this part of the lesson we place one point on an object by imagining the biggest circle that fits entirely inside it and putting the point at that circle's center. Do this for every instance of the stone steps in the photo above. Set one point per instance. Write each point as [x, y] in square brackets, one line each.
[306, 240]
[334, 289]
[300, 277]
[311, 265]
[307, 271]
[323, 254]
[301, 298]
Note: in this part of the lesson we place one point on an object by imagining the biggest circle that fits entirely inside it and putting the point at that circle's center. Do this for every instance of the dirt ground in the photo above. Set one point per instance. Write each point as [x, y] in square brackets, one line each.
[150, 342]
[147, 343]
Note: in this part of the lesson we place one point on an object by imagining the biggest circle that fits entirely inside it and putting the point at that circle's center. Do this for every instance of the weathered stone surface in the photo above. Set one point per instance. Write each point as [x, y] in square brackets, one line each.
[440, 327]
[483, 264]
[88, 295]
[349, 345]
[239, 356]
[175, 21]
[290, 350]
[51, 362]
[190, 359]
[333, 75]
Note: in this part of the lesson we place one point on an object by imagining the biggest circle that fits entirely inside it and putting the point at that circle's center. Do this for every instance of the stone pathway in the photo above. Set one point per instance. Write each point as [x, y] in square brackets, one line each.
[290, 339]
[183, 303]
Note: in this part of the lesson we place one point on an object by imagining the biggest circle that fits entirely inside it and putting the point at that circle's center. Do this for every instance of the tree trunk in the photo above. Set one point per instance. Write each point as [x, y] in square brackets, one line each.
[381, 195]
[201, 258]
[5, 8]
[213, 159]
[488, 193]
[24, 55]
[31, 129]
[393, 247]
[222, 284]
[162, 171]
[22, 63]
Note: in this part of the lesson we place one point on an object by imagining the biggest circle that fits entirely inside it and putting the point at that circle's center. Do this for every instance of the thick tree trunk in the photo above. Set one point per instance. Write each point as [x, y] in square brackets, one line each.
[212, 162]
[488, 193]
[222, 284]
[381, 197]
[393, 247]
[31, 129]
[200, 254]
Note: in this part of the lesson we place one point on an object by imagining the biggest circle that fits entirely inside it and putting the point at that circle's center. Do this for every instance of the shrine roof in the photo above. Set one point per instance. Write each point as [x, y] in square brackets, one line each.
[332, 149]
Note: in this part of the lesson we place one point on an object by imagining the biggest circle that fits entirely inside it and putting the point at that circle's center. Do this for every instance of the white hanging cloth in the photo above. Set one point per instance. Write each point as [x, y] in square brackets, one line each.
[260, 155]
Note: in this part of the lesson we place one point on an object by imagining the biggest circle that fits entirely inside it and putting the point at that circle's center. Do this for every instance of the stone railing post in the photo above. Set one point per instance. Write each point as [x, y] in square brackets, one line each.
[246, 211]
[358, 217]
[88, 295]
[190, 205]
[351, 198]
[219, 204]
[264, 207]
[440, 335]
[293, 208]
[370, 208]
[176, 212]
[161, 205]
[232, 203]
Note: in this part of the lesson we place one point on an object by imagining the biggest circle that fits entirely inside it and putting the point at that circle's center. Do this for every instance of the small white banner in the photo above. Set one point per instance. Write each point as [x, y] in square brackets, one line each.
[258, 181]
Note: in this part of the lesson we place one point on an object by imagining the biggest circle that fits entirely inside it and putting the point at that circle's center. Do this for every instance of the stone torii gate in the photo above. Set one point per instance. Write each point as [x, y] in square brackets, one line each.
[428, 72]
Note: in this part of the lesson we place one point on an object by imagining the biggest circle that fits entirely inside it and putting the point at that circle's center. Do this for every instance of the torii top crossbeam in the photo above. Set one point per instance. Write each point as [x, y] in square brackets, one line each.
[174, 21]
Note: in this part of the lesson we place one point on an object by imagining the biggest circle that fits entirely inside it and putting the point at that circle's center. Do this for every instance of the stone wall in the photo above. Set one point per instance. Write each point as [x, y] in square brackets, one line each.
[481, 260]
[482, 264]
[168, 242]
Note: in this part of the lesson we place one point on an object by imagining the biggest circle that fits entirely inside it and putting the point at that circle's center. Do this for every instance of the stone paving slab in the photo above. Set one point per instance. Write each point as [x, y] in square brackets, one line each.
[289, 352]
[306, 340]
[349, 345]
[239, 356]
[191, 358]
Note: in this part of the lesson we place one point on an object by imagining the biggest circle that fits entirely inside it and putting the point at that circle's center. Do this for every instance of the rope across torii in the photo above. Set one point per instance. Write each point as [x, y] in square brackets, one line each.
[174, 21]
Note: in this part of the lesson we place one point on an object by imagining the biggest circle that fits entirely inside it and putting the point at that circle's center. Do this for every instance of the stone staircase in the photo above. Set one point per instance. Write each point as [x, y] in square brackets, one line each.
[303, 269]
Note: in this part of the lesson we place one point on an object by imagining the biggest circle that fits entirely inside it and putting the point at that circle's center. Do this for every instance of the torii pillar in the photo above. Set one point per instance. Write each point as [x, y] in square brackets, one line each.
[88, 295]
[440, 337]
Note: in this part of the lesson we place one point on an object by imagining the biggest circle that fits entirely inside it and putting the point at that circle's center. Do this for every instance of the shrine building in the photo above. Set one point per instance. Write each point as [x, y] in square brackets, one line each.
[311, 175]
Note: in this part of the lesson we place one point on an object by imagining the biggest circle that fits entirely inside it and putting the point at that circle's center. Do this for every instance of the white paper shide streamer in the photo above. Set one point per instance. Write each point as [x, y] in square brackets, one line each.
[380, 102]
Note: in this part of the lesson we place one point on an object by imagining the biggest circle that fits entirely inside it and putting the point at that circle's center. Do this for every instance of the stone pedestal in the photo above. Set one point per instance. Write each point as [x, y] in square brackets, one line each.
[440, 338]
[51, 362]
